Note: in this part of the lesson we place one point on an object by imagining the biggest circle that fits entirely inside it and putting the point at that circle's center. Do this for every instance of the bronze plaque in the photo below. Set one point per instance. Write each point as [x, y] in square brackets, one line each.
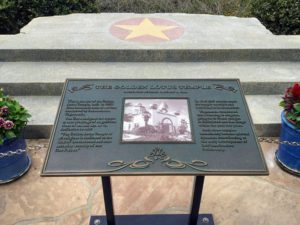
[153, 127]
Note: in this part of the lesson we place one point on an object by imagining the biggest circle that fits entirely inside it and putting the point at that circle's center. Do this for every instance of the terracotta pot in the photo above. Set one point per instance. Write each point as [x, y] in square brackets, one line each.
[13, 166]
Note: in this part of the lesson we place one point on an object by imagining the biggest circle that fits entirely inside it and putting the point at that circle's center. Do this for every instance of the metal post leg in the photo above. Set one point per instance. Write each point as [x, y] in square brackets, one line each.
[196, 199]
[108, 201]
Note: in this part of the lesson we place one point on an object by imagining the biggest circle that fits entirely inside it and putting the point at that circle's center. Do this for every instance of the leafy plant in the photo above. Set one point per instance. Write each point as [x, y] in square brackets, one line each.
[279, 16]
[13, 117]
[14, 14]
[291, 104]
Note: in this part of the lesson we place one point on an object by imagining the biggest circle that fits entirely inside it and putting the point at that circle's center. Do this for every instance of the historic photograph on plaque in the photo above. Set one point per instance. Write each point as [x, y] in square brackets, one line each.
[156, 120]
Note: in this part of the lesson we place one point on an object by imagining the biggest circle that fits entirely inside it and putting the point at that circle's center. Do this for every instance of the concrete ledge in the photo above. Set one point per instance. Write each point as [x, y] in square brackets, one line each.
[193, 38]
[35, 131]
[55, 89]
[268, 130]
[150, 55]
[33, 89]
[264, 110]
[47, 78]
[5, 37]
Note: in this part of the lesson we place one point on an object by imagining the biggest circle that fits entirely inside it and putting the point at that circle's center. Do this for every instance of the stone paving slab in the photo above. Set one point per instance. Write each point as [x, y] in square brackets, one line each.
[264, 110]
[125, 37]
[233, 200]
[47, 78]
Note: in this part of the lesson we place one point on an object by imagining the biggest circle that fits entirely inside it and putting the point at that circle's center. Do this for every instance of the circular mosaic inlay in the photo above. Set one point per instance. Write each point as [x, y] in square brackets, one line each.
[146, 30]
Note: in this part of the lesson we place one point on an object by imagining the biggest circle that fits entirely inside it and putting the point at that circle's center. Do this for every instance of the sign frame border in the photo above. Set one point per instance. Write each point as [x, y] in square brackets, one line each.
[141, 173]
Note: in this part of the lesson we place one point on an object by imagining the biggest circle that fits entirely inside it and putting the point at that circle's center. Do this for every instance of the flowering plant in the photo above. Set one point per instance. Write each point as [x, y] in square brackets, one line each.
[13, 117]
[291, 104]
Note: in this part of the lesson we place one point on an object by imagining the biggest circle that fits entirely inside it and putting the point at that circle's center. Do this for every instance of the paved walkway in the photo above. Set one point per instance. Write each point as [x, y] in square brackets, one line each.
[272, 200]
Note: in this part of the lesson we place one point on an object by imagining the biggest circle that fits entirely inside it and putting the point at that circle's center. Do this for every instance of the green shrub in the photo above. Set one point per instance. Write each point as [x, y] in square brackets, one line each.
[14, 14]
[224, 7]
[279, 16]
[13, 117]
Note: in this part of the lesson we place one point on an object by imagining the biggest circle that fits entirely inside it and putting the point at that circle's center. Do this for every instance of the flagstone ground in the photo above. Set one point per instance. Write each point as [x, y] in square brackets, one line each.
[233, 200]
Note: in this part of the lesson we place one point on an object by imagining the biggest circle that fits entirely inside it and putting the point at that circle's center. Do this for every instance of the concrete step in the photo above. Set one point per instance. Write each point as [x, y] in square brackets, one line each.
[47, 78]
[186, 38]
[150, 55]
[264, 110]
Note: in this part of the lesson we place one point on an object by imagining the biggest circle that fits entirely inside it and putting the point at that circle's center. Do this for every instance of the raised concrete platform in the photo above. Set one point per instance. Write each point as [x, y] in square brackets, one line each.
[47, 78]
[264, 110]
[5, 37]
[35, 63]
[188, 37]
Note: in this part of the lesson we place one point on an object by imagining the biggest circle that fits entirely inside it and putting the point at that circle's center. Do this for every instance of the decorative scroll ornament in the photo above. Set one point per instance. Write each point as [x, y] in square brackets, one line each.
[221, 87]
[86, 87]
[156, 154]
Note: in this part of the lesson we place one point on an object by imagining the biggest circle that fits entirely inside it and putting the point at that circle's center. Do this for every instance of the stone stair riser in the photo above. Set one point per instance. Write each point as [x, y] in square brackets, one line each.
[150, 55]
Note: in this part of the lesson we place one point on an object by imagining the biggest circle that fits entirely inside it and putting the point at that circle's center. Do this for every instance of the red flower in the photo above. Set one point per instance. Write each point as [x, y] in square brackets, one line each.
[288, 92]
[296, 91]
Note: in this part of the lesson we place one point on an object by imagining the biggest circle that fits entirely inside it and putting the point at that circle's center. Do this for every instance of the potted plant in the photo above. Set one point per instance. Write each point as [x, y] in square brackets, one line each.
[14, 161]
[288, 154]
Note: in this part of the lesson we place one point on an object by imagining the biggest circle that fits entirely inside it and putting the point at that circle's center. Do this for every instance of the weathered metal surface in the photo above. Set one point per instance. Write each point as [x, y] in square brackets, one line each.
[153, 127]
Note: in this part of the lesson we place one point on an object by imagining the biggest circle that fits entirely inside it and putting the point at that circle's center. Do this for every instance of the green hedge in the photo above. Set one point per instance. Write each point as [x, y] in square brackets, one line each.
[279, 16]
[14, 14]
[224, 7]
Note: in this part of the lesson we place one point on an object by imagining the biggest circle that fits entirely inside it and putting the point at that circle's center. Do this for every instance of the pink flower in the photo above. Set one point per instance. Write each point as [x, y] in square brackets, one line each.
[2, 121]
[4, 110]
[8, 125]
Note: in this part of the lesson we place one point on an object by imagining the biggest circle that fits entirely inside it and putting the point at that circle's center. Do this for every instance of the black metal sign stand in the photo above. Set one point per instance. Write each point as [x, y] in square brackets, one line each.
[178, 219]
[100, 110]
